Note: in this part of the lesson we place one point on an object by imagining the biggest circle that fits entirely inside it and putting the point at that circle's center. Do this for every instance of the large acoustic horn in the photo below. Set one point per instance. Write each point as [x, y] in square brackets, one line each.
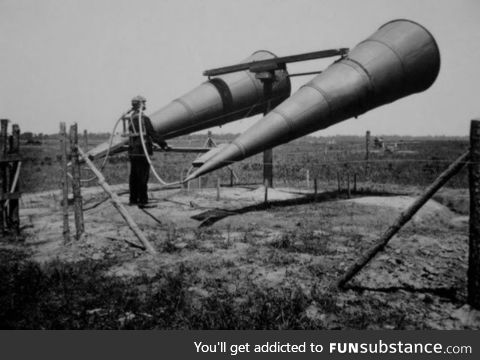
[400, 59]
[219, 100]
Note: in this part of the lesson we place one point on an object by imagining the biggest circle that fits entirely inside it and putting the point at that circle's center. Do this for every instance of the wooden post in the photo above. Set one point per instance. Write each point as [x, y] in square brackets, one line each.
[199, 182]
[218, 189]
[339, 188]
[307, 178]
[76, 186]
[118, 205]
[402, 219]
[63, 149]
[367, 151]
[473, 297]
[315, 186]
[348, 184]
[3, 172]
[355, 182]
[14, 212]
[266, 192]
[85, 140]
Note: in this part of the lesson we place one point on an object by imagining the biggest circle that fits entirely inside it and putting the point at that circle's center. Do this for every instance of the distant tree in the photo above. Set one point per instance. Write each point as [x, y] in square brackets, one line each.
[26, 135]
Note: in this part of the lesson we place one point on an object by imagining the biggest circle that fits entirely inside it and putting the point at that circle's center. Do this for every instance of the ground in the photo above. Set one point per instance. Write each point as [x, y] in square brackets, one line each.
[282, 256]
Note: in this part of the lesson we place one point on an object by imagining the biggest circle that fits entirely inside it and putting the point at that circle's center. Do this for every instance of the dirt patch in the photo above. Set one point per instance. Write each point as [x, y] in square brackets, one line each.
[417, 282]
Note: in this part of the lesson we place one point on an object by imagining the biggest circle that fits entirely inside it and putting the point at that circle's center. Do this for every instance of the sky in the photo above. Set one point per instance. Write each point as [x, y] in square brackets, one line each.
[83, 60]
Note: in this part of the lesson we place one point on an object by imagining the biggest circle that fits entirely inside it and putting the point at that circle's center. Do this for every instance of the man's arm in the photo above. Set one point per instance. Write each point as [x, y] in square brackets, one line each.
[155, 137]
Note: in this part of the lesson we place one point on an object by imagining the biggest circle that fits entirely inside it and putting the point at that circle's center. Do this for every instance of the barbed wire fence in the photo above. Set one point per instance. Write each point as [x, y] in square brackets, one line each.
[298, 164]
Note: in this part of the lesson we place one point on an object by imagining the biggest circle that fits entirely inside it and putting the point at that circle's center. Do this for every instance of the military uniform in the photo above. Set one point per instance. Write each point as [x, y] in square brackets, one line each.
[139, 166]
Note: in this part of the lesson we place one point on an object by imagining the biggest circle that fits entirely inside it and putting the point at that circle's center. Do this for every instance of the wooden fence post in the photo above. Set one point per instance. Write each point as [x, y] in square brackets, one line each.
[14, 212]
[3, 172]
[218, 189]
[76, 187]
[85, 139]
[402, 219]
[367, 151]
[64, 161]
[348, 184]
[339, 188]
[473, 297]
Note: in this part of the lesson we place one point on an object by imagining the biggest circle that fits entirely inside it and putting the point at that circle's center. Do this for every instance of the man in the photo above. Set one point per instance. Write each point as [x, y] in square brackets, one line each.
[139, 166]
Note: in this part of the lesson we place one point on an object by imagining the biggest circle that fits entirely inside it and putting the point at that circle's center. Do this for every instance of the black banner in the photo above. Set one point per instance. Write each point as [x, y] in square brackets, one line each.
[239, 344]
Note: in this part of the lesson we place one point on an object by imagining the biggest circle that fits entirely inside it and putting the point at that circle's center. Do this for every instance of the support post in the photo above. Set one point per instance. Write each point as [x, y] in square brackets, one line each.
[267, 79]
[266, 192]
[63, 150]
[402, 219]
[307, 178]
[268, 166]
[367, 151]
[118, 205]
[348, 185]
[76, 187]
[85, 139]
[339, 187]
[3, 172]
[473, 272]
[355, 182]
[315, 186]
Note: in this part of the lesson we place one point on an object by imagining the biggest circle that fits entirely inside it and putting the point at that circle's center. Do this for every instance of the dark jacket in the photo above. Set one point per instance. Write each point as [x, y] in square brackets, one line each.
[135, 147]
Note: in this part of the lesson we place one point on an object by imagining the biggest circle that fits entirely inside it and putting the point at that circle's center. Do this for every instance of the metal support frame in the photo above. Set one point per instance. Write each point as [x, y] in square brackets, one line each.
[264, 70]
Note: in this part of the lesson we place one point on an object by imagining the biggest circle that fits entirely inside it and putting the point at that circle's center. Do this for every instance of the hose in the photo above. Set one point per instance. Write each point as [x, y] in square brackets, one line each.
[102, 167]
[142, 139]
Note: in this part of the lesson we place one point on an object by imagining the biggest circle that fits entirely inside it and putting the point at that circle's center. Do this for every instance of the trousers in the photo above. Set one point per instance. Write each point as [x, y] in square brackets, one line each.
[139, 174]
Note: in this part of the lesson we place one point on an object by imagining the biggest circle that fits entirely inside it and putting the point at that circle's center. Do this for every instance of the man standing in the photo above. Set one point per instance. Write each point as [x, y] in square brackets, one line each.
[139, 165]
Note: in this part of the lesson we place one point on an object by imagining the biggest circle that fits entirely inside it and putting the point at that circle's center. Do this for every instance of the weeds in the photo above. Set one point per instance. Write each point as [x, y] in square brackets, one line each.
[81, 296]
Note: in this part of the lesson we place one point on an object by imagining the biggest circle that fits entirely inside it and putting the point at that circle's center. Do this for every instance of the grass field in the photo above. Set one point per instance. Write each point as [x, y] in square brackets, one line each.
[416, 162]
[257, 268]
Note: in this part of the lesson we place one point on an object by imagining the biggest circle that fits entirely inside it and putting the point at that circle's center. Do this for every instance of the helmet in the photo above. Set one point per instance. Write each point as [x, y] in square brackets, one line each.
[138, 99]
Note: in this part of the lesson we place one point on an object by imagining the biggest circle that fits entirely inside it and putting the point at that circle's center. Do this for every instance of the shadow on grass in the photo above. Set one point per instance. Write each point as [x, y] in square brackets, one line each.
[210, 217]
[450, 293]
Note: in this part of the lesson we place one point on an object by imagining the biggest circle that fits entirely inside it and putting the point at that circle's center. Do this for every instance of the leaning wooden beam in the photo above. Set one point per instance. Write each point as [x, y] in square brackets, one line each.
[13, 208]
[118, 205]
[404, 217]
[14, 182]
